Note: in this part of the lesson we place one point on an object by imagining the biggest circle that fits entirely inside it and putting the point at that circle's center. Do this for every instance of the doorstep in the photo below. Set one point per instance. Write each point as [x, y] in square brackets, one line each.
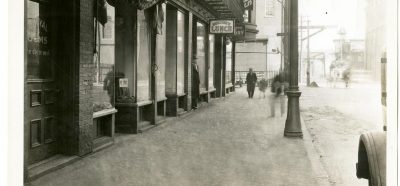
[181, 112]
[144, 126]
[102, 143]
[49, 165]
[160, 119]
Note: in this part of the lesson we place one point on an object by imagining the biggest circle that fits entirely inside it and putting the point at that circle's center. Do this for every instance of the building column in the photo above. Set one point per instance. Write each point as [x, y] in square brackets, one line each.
[233, 65]
[293, 122]
[188, 64]
[223, 66]
[218, 66]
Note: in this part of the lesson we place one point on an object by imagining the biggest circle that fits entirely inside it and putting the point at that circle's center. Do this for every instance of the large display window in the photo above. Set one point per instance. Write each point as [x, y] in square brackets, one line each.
[201, 54]
[211, 41]
[143, 54]
[160, 57]
[180, 52]
[175, 69]
[228, 62]
[104, 76]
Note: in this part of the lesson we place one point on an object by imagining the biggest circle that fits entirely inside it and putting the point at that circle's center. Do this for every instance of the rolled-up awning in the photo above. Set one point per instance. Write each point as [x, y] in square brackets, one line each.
[140, 4]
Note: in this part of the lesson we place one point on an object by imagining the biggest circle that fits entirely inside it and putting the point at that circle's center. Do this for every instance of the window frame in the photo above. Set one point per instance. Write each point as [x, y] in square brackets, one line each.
[272, 7]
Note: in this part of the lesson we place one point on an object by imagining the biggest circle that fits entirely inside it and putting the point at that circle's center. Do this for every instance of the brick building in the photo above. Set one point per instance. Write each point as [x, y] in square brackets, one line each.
[262, 52]
[96, 67]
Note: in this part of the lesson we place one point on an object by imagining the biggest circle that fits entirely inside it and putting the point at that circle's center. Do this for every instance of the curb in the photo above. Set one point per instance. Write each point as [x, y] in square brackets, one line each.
[319, 171]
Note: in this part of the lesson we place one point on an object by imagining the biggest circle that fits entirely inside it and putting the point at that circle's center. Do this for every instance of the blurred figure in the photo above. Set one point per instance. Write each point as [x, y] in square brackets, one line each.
[108, 84]
[195, 84]
[346, 76]
[263, 84]
[251, 80]
[278, 88]
[336, 76]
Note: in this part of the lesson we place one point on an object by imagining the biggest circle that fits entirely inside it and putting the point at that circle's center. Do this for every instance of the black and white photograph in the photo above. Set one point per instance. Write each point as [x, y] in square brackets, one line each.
[201, 93]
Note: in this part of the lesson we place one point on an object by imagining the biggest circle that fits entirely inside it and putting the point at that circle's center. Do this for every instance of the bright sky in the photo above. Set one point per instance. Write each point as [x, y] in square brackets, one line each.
[347, 14]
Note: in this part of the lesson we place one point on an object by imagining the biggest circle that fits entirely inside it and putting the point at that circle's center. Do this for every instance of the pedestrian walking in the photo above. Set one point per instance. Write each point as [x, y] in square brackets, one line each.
[346, 76]
[278, 88]
[262, 86]
[251, 80]
[195, 84]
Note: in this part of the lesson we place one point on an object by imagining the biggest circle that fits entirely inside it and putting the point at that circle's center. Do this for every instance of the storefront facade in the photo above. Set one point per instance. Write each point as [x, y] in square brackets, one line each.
[123, 66]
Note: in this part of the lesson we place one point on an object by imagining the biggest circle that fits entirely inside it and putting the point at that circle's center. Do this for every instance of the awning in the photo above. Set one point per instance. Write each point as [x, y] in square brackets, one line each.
[100, 11]
[226, 8]
[140, 4]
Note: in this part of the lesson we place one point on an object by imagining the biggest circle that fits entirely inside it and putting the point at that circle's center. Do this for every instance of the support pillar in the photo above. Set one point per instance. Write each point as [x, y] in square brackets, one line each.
[233, 65]
[293, 122]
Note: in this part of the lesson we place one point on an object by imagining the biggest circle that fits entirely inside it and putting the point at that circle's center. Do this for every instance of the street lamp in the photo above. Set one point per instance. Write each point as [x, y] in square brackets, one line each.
[293, 122]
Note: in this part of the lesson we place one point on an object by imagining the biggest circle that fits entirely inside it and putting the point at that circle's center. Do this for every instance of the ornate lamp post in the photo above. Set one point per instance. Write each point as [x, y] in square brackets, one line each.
[293, 123]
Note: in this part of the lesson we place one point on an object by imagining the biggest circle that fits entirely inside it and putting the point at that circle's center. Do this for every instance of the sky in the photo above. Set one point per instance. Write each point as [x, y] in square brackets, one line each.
[346, 14]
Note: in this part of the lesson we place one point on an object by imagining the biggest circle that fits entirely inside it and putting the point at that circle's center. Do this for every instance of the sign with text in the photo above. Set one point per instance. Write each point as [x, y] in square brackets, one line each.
[225, 26]
[38, 41]
[239, 31]
[248, 4]
[123, 82]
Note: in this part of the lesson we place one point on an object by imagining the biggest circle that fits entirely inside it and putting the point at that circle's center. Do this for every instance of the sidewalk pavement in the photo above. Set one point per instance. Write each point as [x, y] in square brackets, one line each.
[230, 141]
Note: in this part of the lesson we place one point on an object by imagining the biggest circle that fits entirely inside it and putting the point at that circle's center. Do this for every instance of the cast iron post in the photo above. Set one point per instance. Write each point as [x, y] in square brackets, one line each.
[293, 123]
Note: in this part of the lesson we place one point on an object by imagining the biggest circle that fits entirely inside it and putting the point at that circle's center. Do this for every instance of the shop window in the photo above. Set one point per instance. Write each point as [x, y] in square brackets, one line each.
[180, 52]
[108, 28]
[161, 57]
[39, 64]
[269, 8]
[228, 62]
[211, 41]
[176, 41]
[103, 86]
[144, 24]
[247, 16]
[201, 54]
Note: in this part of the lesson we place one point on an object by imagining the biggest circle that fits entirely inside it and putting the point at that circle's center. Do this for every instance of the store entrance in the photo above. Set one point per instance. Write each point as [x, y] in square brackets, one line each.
[40, 118]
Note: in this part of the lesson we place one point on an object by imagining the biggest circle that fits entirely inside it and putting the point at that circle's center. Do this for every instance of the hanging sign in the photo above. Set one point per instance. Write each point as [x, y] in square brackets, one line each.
[248, 4]
[123, 82]
[239, 31]
[225, 26]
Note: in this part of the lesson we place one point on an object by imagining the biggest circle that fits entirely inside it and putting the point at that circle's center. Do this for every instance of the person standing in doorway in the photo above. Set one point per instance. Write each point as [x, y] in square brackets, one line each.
[195, 84]
[251, 80]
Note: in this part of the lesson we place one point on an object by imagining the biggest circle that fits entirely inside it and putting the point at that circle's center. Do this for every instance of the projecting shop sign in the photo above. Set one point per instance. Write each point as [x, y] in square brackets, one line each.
[248, 4]
[239, 31]
[225, 26]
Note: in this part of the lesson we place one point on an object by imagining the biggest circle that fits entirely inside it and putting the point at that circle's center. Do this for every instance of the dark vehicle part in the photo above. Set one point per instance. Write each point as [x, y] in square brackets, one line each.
[372, 158]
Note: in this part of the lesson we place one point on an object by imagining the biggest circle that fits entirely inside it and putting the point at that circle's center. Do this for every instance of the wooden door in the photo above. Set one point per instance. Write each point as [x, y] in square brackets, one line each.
[40, 83]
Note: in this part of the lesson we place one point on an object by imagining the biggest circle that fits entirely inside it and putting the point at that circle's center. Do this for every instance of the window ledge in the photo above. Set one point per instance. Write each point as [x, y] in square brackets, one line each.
[104, 112]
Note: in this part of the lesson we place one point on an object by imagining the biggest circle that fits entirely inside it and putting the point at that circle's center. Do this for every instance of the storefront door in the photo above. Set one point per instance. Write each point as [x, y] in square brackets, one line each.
[40, 84]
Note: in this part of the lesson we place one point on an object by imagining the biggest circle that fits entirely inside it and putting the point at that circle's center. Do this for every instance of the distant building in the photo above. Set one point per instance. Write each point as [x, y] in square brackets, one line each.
[263, 52]
[375, 39]
[352, 51]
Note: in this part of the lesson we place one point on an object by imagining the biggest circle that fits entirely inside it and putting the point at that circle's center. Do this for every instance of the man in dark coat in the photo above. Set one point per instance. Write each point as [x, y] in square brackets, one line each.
[251, 80]
[195, 85]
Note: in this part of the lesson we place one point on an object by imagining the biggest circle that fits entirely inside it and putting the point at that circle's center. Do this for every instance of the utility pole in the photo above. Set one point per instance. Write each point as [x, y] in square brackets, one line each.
[308, 53]
[293, 123]
[301, 48]
[266, 61]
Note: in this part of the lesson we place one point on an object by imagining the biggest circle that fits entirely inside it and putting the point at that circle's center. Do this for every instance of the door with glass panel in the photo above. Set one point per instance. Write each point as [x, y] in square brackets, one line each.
[41, 91]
